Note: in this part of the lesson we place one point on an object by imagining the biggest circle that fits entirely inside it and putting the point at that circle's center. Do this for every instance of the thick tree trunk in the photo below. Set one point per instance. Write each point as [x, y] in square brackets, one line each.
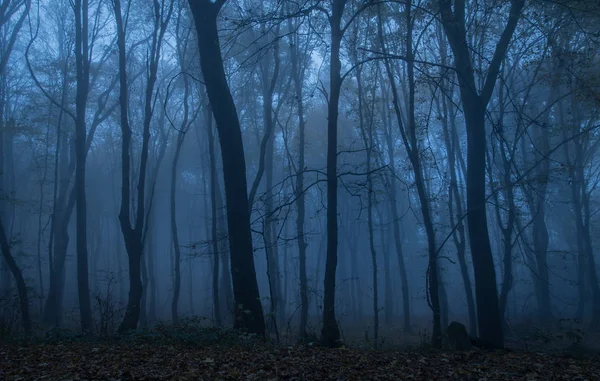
[248, 308]
[474, 107]
[455, 197]
[489, 322]
[134, 253]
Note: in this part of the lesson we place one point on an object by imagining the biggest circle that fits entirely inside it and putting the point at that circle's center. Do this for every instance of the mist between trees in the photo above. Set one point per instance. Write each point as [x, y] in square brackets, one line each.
[304, 168]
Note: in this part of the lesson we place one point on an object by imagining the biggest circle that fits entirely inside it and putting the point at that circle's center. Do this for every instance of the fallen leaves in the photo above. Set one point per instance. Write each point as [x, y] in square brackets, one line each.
[129, 361]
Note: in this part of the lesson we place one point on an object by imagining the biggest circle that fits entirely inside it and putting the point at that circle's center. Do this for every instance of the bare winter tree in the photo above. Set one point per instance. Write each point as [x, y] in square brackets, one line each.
[133, 230]
[474, 103]
[248, 309]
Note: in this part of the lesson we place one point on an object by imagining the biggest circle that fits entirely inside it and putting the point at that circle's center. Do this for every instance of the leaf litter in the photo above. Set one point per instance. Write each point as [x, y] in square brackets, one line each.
[127, 361]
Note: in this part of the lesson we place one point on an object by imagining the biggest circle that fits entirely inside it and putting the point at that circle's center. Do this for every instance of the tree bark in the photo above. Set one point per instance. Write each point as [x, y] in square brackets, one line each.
[83, 78]
[409, 137]
[297, 76]
[174, 232]
[248, 308]
[214, 216]
[133, 234]
[19, 280]
[474, 107]
[330, 333]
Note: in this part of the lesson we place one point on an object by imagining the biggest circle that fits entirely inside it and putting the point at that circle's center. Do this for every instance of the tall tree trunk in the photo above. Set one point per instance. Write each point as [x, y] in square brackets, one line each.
[409, 137]
[297, 76]
[182, 43]
[393, 194]
[330, 333]
[214, 216]
[133, 234]
[82, 64]
[581, 204]
[174, 232]
[62, 208]
[145, 284]
[19, 280]
[367, 136]
[474, 107]
[269, 234]
[248, 308]
[455, 197]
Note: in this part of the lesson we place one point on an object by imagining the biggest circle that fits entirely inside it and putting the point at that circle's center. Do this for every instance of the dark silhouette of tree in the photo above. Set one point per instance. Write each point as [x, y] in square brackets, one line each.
[474, 103]
[248, 309]
[133, 234]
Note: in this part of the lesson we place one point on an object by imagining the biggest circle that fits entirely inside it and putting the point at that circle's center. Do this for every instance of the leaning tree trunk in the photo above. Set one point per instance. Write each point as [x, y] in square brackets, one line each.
[248, 308]
[409, 138]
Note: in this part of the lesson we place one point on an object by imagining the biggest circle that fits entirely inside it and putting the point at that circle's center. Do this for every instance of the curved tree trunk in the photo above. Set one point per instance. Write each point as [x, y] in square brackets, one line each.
[248, 308]
[133, 231]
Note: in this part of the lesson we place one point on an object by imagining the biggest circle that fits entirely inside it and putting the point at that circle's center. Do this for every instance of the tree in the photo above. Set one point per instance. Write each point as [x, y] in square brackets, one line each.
[330, 333]
[248, 309]
[408, 131]
[298, 78]
[181, 132]
[133, 233]
[474, 103]
[366, 129]
[82, 64]
[10, 12]
[457, 170]
[65, 159]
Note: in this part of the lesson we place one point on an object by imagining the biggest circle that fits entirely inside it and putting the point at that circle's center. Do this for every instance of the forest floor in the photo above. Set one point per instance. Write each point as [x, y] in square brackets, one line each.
[146, 360]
